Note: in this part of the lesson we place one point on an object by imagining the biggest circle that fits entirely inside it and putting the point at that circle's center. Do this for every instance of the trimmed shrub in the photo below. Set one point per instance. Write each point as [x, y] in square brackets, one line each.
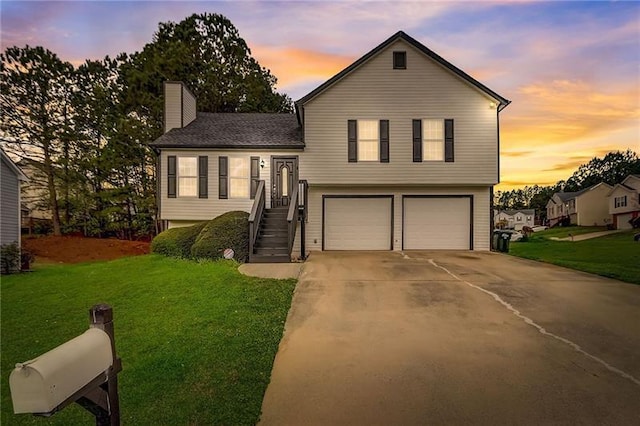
[230, 230]
[10, 258]
[177, 242]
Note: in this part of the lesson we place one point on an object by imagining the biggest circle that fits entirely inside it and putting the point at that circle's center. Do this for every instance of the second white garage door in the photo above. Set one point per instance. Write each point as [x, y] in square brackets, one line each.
[439, 223]
[362, 223]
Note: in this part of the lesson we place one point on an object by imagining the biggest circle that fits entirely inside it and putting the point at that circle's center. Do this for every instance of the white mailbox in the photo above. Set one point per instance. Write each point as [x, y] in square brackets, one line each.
[40, 385]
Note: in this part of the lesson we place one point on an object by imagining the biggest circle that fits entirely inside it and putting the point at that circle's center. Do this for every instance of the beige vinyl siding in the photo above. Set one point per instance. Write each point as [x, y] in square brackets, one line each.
[633, 201]
[425, 90]
[592, 207]
[188, 107]
[172, 106]
[9, 205]
[182, 223]
[194, 208]
[481, 209]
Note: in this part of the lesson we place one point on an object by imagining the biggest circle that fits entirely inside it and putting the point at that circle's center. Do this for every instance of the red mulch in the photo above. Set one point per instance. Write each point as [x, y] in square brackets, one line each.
[69, 249]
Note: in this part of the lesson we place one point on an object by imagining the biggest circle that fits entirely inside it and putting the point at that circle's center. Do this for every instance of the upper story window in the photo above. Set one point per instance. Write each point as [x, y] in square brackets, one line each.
[399, 60]
[432, 140]
[187, 176]
[620, 201]
[368, 140]
[519, 218]
[528, 218]
[238, 177]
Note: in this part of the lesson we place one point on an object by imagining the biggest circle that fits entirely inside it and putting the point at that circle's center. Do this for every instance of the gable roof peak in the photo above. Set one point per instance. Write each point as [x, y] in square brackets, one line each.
[502, 102]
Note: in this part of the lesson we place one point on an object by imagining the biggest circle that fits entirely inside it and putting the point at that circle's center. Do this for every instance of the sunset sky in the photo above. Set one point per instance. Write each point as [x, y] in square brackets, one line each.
[572, 69]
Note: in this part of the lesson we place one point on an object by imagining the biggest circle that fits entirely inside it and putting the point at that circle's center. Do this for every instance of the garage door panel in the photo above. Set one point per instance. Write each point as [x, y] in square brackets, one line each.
[357, 223]
[442, 223]
[623, 221]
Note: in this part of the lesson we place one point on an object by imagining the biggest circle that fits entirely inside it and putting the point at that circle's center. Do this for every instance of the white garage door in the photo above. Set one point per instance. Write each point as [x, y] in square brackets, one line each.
[623, 221]
[437, 223]
[357, 223]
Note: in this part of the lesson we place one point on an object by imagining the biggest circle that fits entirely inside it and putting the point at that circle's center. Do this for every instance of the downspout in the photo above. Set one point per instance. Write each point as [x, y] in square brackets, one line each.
[501, 106]
[302, 232]
[158, 189]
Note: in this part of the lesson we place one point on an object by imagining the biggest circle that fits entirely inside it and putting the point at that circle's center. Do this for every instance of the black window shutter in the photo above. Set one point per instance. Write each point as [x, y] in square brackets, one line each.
[417, 141]
[384, 141]
[223, 177]
[352, 130]
[448, 140]
[203, 176]
[255, 175]
[171, 176]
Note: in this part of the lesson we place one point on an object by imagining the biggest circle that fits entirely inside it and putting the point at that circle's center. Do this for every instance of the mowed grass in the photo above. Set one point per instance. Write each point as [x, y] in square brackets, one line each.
[197, 339]
[614, 256]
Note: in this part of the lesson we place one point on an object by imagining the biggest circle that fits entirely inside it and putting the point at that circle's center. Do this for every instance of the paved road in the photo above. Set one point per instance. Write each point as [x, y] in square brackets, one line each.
[455, 338]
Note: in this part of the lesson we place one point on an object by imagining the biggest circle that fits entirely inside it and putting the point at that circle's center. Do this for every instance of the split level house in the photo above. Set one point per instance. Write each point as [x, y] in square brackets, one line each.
[624, 203]
[398, 151]
[515, 219]
[588, 207]
[11, 177]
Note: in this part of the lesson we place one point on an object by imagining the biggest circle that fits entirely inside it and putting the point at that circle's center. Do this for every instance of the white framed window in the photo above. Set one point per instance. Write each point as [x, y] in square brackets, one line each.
[187, 176]
[239, 177]
[528, 218]
[432, 140]
[620, 201]
[519, 218]
[368, 140]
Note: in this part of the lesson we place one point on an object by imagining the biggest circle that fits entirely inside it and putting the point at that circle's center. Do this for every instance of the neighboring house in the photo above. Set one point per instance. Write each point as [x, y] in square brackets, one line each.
[588, 207]
[515, 219]
[10, 179]
[624, 203]
[34, 196]
[398, 151]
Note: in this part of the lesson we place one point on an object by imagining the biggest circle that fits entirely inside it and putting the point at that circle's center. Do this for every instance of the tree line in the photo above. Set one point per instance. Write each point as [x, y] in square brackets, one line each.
[84, 130]
[613, 168]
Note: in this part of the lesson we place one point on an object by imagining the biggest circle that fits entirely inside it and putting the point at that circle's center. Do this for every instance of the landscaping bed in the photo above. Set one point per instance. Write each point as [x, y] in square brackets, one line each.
[68, 249]
[197, 339]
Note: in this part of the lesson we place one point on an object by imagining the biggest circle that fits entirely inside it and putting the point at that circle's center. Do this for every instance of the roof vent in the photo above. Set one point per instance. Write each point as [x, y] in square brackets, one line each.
[399, 60]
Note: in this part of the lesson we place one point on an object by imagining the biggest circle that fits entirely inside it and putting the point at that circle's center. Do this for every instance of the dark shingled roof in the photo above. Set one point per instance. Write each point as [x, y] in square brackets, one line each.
[235, 130]
[566, 196]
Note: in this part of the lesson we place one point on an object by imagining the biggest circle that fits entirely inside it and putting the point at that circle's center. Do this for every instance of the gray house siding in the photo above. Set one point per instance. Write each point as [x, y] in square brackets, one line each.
[181, 211]
[9, 205]
[375, 91]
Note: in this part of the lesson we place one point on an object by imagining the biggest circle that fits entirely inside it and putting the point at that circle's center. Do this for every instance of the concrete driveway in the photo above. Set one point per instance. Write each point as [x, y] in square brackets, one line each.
[455, 338]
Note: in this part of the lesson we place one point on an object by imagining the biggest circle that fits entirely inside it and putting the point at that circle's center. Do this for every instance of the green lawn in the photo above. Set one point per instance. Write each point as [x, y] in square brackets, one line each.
[615, 256]
[197, 339]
